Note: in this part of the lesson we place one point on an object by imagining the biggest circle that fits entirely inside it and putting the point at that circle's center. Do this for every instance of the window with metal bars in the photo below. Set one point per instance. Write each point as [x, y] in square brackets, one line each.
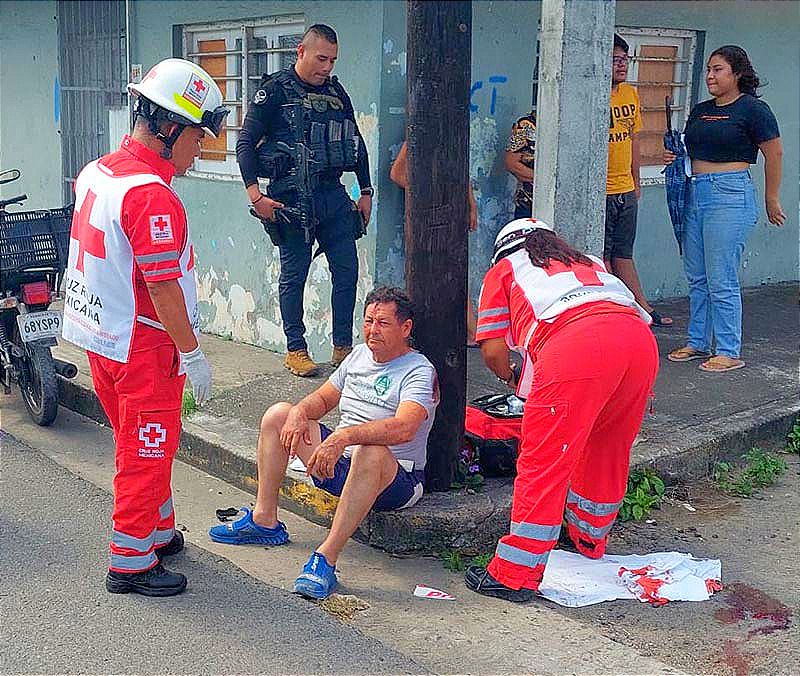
[237, 54]
[662, 64]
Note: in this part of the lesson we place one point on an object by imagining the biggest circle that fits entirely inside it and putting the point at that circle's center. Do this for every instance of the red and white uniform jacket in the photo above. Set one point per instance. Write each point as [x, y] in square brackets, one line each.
[129, 228]
[523, 303]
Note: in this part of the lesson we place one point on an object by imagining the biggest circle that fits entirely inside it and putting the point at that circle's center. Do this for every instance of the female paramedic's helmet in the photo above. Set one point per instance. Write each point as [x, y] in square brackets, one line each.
[179, 91]
[513, 234]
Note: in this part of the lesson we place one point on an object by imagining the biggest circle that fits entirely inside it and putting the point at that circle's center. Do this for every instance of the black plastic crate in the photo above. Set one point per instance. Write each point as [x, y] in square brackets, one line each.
[34, 239]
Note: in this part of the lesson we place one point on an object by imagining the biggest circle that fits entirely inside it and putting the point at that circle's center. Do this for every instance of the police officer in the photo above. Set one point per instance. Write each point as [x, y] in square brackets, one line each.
[300, 132]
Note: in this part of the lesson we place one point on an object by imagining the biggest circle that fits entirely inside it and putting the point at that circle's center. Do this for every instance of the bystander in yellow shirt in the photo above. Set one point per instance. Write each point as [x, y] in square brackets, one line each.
[625, 120]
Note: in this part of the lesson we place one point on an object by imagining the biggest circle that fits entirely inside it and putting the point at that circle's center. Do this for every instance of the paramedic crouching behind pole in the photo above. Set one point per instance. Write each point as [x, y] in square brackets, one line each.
[594, 364]
[131, 302]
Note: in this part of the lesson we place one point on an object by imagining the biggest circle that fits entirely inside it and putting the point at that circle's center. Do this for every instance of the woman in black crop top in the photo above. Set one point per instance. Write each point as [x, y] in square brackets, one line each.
[723, 136]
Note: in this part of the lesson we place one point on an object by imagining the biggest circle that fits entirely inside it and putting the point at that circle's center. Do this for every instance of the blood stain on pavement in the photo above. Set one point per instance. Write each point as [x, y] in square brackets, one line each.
[748, 603]
[736, 659]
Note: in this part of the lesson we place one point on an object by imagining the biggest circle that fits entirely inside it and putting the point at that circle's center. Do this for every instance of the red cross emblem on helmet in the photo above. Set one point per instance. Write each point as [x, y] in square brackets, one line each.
[196, 90]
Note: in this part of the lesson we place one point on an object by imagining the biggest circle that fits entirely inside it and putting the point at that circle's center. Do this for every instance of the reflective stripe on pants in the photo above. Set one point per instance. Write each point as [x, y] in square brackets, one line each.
[142, 400]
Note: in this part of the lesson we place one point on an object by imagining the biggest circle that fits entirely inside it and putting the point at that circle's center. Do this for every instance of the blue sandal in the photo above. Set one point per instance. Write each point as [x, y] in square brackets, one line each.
[318, 579]
[244, 531]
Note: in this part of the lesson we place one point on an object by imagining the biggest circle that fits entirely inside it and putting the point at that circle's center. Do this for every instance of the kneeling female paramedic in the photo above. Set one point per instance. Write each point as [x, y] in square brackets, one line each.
[594, 364]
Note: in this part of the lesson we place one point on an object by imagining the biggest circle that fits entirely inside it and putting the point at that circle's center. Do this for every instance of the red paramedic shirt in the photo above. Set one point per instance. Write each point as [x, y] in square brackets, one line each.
[153, 219]
[506, 310]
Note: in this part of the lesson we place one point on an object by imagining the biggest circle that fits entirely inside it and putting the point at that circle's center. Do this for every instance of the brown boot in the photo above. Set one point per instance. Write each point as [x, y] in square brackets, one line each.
[300, 364]
[339, 353]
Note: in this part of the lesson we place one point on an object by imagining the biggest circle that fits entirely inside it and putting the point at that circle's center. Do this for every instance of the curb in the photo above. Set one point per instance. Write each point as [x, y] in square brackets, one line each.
[469, 523]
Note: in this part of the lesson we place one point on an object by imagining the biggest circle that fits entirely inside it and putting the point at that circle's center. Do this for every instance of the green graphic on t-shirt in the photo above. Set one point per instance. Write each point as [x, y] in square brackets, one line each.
[382, 385]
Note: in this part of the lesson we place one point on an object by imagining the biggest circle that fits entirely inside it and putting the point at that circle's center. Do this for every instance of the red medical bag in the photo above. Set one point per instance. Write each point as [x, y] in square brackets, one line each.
[493, 426]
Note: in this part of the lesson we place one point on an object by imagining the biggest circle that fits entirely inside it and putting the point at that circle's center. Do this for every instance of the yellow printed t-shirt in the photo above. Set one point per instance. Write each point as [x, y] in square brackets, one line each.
[625, 119]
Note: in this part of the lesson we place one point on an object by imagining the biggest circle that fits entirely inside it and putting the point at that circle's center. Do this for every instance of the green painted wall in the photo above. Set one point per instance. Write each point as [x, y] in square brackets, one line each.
[504, 43]
[768, 32]
[237, 265]
[29, 131]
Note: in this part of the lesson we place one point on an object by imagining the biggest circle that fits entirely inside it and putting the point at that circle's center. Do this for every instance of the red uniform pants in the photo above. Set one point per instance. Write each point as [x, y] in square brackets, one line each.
[591, 384]
[142, 400]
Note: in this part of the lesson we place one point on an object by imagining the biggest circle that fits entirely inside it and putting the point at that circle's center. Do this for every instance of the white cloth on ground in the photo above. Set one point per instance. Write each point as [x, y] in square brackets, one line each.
[573, 580]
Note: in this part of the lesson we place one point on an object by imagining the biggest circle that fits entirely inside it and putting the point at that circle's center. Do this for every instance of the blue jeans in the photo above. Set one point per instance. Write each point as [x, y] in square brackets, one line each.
[334, 233]
[721, 213]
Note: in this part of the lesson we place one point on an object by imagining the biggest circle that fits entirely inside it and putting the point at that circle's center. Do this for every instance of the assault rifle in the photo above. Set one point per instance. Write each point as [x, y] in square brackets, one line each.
[301, 179]
[302, 175]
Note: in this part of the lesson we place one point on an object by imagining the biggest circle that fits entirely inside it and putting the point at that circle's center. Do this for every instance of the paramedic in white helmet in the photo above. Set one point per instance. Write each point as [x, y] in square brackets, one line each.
[131, 303]
[594, 362]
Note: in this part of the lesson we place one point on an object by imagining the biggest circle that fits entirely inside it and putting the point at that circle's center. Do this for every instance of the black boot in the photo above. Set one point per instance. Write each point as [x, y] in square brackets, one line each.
[158, 581]
[174, 546]
[479, 580]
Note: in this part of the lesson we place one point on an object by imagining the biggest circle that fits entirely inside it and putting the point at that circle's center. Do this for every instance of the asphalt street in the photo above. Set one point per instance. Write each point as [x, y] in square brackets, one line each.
[238, 615]
[56, 616]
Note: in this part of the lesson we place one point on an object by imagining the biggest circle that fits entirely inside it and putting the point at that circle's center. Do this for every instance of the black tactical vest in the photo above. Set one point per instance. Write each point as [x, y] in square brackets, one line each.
[316, 119]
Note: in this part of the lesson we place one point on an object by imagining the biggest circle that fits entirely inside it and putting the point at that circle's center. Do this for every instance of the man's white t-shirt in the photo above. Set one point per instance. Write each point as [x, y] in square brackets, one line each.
[373, 391]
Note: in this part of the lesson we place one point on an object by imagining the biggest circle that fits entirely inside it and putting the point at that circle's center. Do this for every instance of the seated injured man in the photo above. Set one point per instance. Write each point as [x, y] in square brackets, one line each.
[375, 458]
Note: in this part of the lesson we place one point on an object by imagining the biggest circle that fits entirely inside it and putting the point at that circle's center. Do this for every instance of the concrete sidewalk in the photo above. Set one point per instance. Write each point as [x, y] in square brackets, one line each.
[699, 418]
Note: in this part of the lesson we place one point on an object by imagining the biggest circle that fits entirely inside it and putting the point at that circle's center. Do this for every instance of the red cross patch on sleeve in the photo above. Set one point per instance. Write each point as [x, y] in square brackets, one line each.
[161, 230]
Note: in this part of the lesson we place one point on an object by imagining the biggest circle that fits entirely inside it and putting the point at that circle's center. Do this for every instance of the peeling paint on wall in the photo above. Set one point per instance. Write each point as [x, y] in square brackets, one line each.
[391, 270]
[230, 309]
[483, 146]
[368, 126]
[493, 189]
[401, 62]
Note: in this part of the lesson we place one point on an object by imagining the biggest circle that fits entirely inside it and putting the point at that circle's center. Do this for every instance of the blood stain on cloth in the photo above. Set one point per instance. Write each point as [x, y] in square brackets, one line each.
[650, 586]
[748, 603]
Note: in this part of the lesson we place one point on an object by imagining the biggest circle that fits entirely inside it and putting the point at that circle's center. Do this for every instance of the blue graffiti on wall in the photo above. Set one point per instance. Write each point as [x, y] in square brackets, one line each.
[494, 80]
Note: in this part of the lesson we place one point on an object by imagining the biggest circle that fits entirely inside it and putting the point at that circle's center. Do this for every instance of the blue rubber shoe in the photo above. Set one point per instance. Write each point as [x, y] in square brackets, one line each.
[244, 531]
[318, 579]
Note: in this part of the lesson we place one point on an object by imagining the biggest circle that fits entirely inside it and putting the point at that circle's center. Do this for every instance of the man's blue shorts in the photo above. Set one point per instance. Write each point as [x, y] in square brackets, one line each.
[404, 491]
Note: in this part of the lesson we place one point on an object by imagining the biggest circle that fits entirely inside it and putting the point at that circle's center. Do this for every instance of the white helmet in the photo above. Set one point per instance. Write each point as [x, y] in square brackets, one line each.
[515, 232]
[185, 92]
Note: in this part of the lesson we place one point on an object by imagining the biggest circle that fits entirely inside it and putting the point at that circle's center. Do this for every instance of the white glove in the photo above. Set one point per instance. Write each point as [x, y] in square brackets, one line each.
[199, 372]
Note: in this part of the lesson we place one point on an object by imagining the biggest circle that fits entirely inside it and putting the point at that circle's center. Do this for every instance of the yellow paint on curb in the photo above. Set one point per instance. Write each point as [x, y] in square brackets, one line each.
[322, 503]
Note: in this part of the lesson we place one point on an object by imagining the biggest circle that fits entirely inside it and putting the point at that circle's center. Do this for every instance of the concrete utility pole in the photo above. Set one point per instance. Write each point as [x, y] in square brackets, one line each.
[437, 212]
[572, 119]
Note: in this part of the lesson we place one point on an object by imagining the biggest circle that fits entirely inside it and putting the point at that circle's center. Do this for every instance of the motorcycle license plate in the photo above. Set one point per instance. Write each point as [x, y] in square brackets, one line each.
[38, 325]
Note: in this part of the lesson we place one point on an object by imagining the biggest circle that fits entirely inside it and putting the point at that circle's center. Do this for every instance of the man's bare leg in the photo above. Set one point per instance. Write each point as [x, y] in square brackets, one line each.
[372, 470]
[272, 460]
[625, 269]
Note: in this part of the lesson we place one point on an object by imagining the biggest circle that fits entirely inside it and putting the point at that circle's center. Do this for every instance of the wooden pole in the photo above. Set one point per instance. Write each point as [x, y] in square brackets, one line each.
[437, 211]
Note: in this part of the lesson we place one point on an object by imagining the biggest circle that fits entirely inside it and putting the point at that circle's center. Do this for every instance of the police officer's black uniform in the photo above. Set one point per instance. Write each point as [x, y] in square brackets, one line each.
[286, 109]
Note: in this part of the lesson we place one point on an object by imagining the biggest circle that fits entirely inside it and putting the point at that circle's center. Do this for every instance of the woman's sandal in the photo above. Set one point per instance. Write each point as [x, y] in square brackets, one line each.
[721, 364]
[687, 354]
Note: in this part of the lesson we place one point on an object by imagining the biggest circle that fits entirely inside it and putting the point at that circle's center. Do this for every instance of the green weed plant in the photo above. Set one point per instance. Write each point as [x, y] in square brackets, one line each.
[188, 405]
[760, 470]
[645, 491]
[793, 439]
[452, 560]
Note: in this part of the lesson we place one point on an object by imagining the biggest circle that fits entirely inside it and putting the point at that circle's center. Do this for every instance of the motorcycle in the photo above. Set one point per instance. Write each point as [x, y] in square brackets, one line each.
[34, 246]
